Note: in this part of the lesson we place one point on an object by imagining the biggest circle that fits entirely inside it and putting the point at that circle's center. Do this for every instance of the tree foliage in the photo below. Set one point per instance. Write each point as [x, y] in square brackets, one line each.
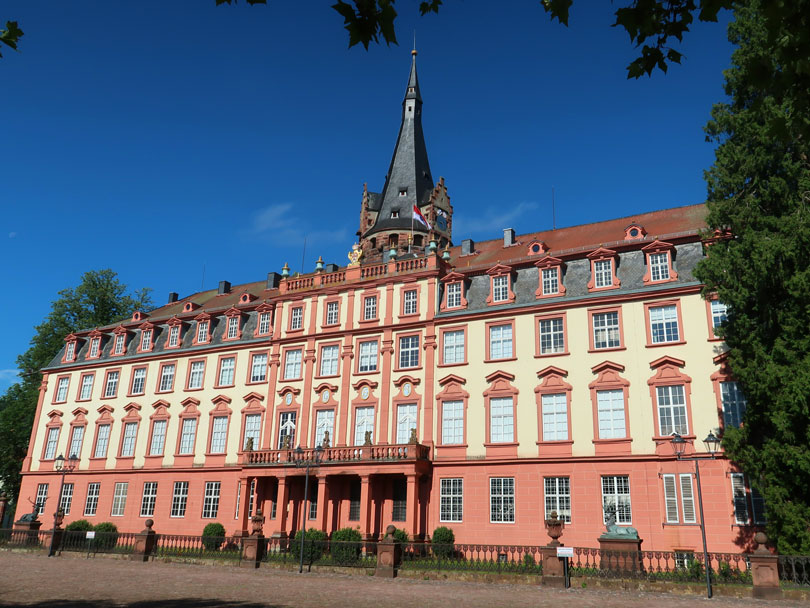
[759, 192]
[10, 36]
[99, 299]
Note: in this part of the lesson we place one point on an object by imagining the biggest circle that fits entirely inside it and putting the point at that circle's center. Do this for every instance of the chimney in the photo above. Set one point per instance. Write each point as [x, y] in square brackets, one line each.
[224, 287]
[172, 297]
[467, 247]
[508, 237]
[331, 268]
[273, 279]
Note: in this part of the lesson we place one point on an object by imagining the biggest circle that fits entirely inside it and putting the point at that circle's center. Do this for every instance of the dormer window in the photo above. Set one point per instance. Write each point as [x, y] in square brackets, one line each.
[202, 332]
[94, 347]
[233, 327]
[174, 335]
[70, 351]
[659, 262]
[411, 89]
[119, 344]
[403, 192]
[146, 339]
[453, 297]
[500, 291]
[394, 214]
[603, 269]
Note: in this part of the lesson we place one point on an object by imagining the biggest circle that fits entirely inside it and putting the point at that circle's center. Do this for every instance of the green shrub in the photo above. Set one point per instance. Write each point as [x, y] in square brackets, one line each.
[528, 560]
[80, 525]
[313, 545]
[443, 542]
[401, 536]
[345, 545]
[213, 536]
[106, 536]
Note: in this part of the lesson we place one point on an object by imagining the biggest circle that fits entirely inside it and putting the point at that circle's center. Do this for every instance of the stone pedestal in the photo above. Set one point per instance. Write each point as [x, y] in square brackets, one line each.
[764, 570]
[27, 531]
[553, 575]
[145, 542]
[620, 554]
[3, 505]
[389, 555]
[252, 550]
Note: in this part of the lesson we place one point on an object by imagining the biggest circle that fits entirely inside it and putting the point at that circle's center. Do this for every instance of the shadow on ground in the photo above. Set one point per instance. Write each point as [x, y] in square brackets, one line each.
[177, 603]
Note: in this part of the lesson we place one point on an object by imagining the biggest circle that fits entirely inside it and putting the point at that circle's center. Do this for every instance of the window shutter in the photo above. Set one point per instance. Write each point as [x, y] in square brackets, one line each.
[758, 507]
[740, 503]
[671, 499]
[688, 499]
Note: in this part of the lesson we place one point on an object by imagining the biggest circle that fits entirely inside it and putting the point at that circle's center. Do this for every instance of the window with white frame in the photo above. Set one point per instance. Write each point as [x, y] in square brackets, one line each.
[502, 500]
[158, 438]
[610, 414]
[128, 441]
[296, 318]
[119, 344]
[50, 443]
[363, 422]
[500, 341]
[451, 499]
[687, 502]
[370, 308]
[664, 324]
[66, 500]
[62, 389]
[672, 410]
[42, 497]
[219, 429]
[616, 498]
[684, 559]
[659, 266]
[557, 491]
[179, 499]
[238, 499]
[329, 360]
[286, 429]
[324, 423]
[331, 313]
[196, 374]
[741, 493]
[202, 332]
[211, 499]
[406, 421]
[409, 351]
[555, 417]
[453, 347]
[253, 429]
[264, 323]
[138, 380]
[102, 441]
[409, 304]
[233, 327]
[94, 346]
[119, 499]
[292, 364]
[501, 420]
[146, 339]
[603, 273]
[258, 368]
[551, 281]
[76, 441]
[226, 369]
[188, 433]
[91, 500]
[252, 496]
[368, 357]
[148, 498]
[452, 422]
[606, 330]
[87, 387]
[70, 351]
[734, 404]
[453, 295]
[174, 335]
[111, 386]
[167, 377]
[552, 336]
[500, 289]
[719, 313]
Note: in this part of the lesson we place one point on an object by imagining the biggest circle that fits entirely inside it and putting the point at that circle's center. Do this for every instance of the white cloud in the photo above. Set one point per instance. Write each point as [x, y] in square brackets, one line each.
[282, 225]
[8, 377]
[11, 235]
[489, 224]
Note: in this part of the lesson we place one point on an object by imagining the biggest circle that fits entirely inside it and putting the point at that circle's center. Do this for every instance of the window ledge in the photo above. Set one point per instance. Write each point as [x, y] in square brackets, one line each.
[500, 360]
[407, 369]
[606, 350]
[560, 442]
[660, 344]
[546, 355]
[505, 444]
[376, 371]
[451, 364]
[609, 441]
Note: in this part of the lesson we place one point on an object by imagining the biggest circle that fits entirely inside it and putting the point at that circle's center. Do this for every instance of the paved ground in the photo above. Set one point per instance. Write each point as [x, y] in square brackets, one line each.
[75, 582]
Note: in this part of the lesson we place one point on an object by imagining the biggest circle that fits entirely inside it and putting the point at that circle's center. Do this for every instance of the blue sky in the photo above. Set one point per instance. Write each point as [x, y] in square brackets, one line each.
[181, 144]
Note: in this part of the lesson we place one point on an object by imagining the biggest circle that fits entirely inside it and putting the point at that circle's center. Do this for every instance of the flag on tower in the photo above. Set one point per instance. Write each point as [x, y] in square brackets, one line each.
[417, 215]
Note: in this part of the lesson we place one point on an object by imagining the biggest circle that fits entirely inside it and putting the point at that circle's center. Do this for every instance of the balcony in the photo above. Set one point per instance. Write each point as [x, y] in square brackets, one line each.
[402, 453]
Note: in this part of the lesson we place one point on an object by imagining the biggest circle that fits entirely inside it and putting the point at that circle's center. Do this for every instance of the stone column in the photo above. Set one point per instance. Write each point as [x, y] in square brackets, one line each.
[244, 503]
[412, 507]
[321, 507]
[764, 570]
[282, 502]
[365, 507]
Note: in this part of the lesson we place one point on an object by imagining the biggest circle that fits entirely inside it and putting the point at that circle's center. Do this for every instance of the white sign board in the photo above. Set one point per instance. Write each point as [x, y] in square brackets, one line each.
[565, 552]
[91, 535]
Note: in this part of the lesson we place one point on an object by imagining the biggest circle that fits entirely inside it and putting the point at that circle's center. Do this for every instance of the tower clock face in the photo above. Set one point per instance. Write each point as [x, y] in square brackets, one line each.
[441, 223]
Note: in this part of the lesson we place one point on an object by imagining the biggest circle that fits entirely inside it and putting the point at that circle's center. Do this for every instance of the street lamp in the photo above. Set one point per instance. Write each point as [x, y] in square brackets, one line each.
[305, 464]
[63, 466]
[712, 444]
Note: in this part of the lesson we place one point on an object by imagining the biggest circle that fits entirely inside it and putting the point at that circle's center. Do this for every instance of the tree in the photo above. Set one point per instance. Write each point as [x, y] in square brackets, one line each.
[759, 193]
[10, 36]
[99, 299]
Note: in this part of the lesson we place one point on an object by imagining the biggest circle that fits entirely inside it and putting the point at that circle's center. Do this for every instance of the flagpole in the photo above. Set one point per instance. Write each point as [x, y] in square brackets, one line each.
[411, 239]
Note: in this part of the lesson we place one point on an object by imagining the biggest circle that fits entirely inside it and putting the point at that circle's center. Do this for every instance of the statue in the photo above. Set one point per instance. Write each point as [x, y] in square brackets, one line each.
[614, 531]
[325, 443]
[249, 444]
[355, 255]
[32, 516]
[368, 438]
[413, 440]
[287, 442]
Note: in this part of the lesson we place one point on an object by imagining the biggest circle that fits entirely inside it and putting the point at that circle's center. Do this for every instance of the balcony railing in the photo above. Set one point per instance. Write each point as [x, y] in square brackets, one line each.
[375, 453]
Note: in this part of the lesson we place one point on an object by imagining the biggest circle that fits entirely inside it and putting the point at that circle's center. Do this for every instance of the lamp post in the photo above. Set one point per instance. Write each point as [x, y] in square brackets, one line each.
[712, 444]
[305, 464]
[63, 466]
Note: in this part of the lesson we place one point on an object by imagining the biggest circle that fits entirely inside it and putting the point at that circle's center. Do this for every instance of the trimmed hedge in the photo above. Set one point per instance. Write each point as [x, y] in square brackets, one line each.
[213, 536]
[313, 551]
[345, 546]
[106, 535]
[80, 525]
[443, 542]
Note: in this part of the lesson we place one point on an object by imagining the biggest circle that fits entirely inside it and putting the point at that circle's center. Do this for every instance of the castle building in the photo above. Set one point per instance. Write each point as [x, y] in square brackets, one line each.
[478, 386]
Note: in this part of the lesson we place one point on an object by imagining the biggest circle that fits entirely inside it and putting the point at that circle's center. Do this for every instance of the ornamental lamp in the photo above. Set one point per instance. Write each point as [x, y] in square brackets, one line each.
[59, 463]
[712, 443]
[678, 444]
